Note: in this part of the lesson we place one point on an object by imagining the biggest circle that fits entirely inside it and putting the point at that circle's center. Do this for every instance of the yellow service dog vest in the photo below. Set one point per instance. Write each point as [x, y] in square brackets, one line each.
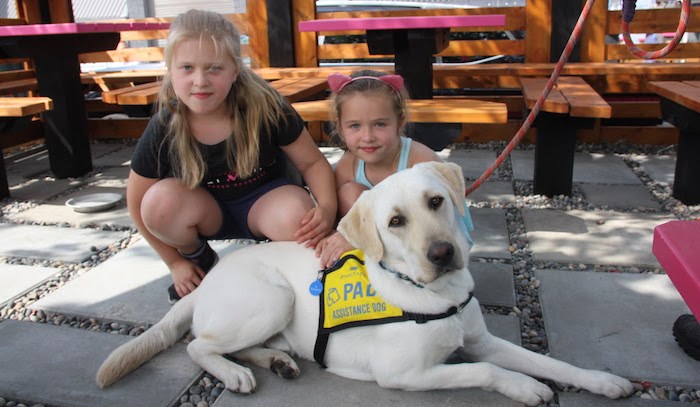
[347, 300]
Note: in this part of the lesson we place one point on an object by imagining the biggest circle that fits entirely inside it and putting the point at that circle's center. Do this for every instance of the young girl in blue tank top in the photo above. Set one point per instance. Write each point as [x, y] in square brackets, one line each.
[369, 114]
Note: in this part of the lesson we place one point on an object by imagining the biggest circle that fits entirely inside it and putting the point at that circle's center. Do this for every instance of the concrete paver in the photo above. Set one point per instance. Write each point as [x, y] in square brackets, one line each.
[492, 191]
[600, 237]
[493, 283]
[660, 168]
[56, 365]
[317, 387]
[56, 210]
[588, 167]
[129, 287]
[616, 322]
[19, 278]
[490, 233]
[620, 196]
[53, 243]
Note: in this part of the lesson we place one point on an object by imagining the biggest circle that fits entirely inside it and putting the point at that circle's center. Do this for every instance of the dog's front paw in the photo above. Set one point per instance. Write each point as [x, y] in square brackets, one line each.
[285, 368]
[526, 390]
[240, 380]
[608, 385]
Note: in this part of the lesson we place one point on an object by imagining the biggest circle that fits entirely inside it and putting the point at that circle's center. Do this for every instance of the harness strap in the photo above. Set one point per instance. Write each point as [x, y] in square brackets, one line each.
[323, 335]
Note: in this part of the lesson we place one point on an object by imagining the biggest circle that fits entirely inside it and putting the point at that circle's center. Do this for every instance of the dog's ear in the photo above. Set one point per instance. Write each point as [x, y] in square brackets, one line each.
[453, 177]
[358, 228]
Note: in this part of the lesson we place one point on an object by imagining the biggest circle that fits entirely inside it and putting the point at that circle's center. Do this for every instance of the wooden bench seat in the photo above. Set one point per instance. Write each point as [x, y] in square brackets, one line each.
[443, 110]
[572, 104]
[680, 106]
[294, 89]
[12, 111]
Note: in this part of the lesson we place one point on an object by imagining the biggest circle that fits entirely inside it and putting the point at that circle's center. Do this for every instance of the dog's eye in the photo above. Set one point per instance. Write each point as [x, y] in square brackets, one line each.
[435, 202]
[397, 221]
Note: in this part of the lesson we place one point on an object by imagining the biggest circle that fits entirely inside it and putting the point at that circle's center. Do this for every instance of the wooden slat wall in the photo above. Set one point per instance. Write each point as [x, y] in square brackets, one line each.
[594, 48]
[535, 46]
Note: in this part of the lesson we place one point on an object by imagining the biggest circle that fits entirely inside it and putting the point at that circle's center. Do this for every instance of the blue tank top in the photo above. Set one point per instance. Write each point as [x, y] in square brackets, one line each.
[466, 225]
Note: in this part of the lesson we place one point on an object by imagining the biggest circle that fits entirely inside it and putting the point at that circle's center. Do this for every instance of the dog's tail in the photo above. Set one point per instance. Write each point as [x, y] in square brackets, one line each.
[138, 351]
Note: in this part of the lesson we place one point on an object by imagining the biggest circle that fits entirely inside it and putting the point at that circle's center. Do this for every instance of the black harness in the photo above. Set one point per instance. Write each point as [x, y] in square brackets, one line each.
[324, 332]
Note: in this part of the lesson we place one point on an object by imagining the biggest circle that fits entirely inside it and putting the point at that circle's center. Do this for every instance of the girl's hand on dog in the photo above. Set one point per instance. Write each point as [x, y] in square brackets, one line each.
[316, 224]
[331, 248]
[186, 276]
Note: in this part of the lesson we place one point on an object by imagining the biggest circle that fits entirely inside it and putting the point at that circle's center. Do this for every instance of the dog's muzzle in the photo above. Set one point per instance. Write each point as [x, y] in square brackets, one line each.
[441, 253]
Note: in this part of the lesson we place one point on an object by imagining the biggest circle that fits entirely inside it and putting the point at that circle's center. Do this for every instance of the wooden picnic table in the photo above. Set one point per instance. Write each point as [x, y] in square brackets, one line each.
[680, 106]
[54, 48]
[572, 104]
[413, 41]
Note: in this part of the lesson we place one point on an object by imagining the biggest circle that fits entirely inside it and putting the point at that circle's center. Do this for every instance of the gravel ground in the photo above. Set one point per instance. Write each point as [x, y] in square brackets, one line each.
[533, 334]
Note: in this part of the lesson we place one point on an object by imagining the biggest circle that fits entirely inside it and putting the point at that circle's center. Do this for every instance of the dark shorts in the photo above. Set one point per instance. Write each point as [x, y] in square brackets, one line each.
[235, 213]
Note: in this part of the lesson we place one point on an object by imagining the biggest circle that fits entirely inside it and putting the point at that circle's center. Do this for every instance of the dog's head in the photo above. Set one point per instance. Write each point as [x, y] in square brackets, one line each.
[409, 221]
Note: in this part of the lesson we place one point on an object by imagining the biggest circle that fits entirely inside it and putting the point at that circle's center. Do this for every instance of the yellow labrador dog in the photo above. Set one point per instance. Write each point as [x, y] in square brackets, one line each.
[256, 305]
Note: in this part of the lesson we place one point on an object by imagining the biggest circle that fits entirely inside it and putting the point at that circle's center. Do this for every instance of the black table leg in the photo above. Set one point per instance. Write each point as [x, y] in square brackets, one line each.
[65, 127]
[554, 152]
[686, 181]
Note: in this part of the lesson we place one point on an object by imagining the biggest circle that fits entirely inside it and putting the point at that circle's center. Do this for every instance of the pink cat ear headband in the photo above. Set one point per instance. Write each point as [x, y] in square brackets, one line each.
[338, 81]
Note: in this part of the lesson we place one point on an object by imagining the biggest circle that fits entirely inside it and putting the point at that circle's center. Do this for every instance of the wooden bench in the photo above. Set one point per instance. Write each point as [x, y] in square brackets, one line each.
[138, 99]
[680, 106]
[444, 110]
[571, 104]
[15, 112]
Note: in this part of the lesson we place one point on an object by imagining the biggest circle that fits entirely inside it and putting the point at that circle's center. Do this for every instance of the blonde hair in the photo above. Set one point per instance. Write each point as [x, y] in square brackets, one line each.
[254, 107]
[365, 87]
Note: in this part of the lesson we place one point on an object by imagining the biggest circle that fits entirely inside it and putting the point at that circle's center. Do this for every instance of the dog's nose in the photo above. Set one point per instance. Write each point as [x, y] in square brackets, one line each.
[441, 253]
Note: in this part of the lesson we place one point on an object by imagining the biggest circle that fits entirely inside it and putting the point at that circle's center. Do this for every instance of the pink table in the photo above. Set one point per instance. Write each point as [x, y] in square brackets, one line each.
[54, 48]
[677, 247]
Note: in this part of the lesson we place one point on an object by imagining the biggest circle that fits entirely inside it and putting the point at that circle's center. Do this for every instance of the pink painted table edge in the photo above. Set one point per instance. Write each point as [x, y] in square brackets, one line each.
[391, 23]
[74, 28]
[677, 247]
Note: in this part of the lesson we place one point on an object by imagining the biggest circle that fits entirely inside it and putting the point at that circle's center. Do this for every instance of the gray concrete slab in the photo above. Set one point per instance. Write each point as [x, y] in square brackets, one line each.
[588, 167]
[111, 155]
[660, 168]
[16, 279]
[600, 237]
[493, 283]
[616, 322]
[492, 192]
[55, 210]
[53, 243]
[28, 165]
[620, 196]
[41, 189]
[585, 399]
[129, 287]
[490, 233]
[317, 387]
[473, 162]
[114, 177]
[56, 365]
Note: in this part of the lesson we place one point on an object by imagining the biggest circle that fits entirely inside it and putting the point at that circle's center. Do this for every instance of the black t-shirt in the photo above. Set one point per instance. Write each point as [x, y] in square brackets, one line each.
[151, 160]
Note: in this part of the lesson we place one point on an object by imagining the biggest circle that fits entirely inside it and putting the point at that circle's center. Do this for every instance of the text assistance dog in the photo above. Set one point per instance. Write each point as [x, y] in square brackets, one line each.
[256, 305]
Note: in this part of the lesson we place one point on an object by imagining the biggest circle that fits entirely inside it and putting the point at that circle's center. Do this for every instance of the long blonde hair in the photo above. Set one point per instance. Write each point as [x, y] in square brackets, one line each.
[253, 105]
